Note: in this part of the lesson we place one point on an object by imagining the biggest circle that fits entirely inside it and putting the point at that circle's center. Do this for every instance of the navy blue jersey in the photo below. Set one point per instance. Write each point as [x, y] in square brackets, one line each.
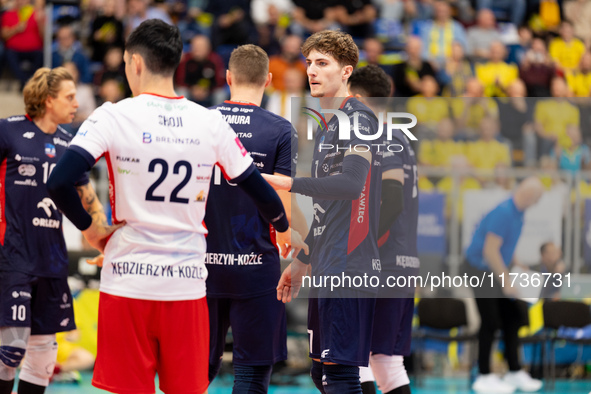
[31, 226]
[344, 232]
[398, 247]
[401, 240]
[242, 259]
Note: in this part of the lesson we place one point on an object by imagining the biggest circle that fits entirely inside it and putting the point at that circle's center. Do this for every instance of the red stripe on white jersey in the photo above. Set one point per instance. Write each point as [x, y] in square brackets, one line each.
[111, 188]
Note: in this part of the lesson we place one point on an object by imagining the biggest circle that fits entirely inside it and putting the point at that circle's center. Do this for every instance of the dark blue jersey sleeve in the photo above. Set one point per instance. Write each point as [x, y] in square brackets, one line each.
[61, 187]
[285, 152]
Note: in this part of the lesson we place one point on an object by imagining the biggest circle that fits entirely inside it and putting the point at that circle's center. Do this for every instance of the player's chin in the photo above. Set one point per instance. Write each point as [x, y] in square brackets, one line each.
[316, 93]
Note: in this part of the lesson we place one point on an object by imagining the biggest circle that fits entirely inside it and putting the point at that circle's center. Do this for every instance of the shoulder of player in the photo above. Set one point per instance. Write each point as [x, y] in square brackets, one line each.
[280, 123]
[16, 120]
[13, 124]
[352, 106]
[63, 133]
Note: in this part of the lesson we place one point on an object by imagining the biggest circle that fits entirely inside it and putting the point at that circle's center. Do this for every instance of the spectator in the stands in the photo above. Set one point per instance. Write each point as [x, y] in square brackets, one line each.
[22, 32]
[487, 152]
[496, 74]
[551, 262]
[113, 68]
[201, 71]
[518, 50]
[457, 72]
[289, 58]
[482, 35]
[419, 10]
[373, 53]
[110, 91]
[356, 17]
[566, 50]
[575, 157]
[516, 116]
[439, 34]
[106, 32]
[469, 109]
[537, 69]
[288, 102]
[407, 75]
[552, 117]
[85, 97]
[578, 12]
[579, 81]
[439, 151]
[232, 22]
[312, 16]
[428, 107]
[139, 11]
[69, 49]
[271, 19]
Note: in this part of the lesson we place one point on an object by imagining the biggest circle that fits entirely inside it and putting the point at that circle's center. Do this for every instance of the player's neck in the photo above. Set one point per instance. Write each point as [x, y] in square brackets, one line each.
[246, 95]
[158, 86]
[45, 124]
[335, 100]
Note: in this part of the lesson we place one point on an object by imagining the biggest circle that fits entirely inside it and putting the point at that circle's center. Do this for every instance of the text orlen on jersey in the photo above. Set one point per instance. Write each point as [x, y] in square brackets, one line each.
[386, 122]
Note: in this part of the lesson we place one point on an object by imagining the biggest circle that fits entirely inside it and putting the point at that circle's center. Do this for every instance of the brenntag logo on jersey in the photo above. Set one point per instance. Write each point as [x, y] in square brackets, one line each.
[386, 124]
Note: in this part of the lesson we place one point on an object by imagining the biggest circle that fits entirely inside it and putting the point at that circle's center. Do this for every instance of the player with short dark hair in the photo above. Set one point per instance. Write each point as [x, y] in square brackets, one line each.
[35, 300]
[243, 261]
[157, 146]
[392, 325]
[345, 187]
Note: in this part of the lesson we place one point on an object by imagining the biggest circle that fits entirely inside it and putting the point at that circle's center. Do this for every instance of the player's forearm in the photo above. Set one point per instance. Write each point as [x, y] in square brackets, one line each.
[266, 199]
[61, 188]
[494, 260]
[345, 186]
[92, 204]
[392, 204]
[298, 220]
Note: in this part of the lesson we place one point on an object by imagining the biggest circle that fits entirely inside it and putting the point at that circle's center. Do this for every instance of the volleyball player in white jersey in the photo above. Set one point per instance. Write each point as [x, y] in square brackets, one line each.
[160, 149]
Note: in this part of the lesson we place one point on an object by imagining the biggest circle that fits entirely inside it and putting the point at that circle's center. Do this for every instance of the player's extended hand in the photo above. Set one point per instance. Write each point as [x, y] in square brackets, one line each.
[98, 260]
[278, 182]
[98, 234]
[291, 240]
[291, 281]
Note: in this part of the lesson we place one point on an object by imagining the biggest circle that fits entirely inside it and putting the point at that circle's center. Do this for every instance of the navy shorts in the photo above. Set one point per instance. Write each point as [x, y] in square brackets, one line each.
[258, 329]
[340, 329]
[44, 304]
[392, 326]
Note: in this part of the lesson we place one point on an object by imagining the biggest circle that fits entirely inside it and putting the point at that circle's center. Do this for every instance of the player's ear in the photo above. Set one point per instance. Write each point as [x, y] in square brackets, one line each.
[48, 103]
[269, 79]
[347, 71]
[137, 63]
[229, 77]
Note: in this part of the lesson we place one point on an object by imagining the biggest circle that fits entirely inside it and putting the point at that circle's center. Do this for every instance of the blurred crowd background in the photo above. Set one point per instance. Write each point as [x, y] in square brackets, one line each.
[497, 86]
[492, 52]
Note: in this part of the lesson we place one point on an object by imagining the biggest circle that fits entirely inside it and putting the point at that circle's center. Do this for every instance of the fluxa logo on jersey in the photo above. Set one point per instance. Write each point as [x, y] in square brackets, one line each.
[387, 123]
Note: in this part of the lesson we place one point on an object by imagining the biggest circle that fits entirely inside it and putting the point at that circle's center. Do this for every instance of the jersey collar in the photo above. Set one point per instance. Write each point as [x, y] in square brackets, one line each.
[166, 97]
